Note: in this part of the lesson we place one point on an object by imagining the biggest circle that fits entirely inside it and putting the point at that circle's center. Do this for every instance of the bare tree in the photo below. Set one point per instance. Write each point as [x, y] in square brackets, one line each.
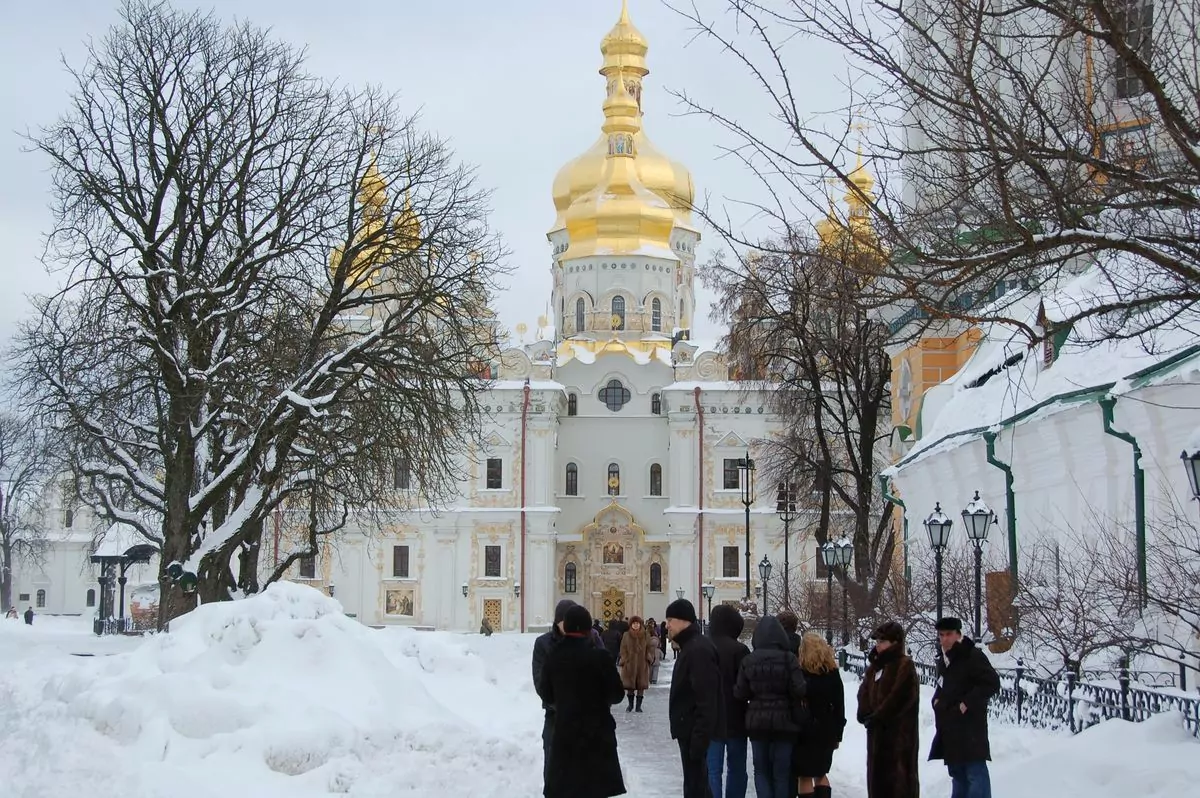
[799, 333]
[24, 469]
[273, 293]
[1016, 142]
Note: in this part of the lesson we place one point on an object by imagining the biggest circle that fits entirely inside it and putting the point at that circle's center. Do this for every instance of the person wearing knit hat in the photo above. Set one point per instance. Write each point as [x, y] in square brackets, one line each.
[580, 682]
[541, 648]
[695, 706]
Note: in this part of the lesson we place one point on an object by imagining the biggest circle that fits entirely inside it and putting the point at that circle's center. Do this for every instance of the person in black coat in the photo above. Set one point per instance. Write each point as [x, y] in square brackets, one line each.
[966, 682]
[771, 682]
[695, 707]
[542, 647]
[729, 753]
[826, 701]
[612, 639]
[580, 682]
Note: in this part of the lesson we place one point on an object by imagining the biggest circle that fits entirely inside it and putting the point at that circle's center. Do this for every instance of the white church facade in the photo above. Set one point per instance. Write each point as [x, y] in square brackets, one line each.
[609, 473]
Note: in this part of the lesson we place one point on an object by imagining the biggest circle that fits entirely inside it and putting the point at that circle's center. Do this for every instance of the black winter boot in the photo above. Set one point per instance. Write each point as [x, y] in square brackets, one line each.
[638, 707]
[822, 791]
[630, 707]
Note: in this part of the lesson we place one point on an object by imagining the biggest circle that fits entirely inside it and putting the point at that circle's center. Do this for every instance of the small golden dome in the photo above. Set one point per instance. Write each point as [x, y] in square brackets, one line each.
[861, 179]
[624, 39]
[372, 189]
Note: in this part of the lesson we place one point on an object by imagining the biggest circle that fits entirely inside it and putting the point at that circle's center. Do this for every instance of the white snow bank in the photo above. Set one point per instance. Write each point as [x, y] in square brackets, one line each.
[279, 694]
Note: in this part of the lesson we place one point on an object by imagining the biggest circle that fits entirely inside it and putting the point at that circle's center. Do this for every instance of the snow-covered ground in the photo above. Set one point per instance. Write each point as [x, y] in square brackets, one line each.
[282, 695]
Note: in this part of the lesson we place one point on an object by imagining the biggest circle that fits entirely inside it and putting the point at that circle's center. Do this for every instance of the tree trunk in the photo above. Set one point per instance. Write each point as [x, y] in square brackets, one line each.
[6, 574]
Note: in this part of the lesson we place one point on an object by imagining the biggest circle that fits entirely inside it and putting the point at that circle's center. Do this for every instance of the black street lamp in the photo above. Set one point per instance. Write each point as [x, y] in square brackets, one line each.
[785, 506]
[764, 573]
[1191, 462]
[844, 550]
[938, 525]
[746, 482]
[829, 558]
[679, 592]
[977, 519]
[707, 590]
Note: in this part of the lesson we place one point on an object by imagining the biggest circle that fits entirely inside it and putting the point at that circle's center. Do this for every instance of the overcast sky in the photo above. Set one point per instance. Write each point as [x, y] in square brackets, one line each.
[456, 61]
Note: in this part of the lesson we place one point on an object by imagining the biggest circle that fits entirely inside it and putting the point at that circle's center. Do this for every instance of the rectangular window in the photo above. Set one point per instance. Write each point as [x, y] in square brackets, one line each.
[23, 597]
[730, 477]
[400, 562]
[401, 475]
[68, 503]
[821, 571]
[491, 561]
[308, 567]
[495, 473]
[729, 562]
[1135, 20]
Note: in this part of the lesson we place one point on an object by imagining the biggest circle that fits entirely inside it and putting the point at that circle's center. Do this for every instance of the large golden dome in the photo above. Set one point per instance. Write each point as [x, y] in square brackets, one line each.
[624, 50]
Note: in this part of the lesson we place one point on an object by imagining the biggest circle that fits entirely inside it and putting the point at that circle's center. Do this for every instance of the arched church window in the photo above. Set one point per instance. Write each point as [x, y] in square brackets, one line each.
[679, 321]
[614, 479]
[656, 315]
[579, 308]
[41, 599]
[656, 404]
[656, 480]
[614, 395]
[91, 597]
[572, 404]
[570, 578]
[618, 313]
[572, 479]
[655, 577]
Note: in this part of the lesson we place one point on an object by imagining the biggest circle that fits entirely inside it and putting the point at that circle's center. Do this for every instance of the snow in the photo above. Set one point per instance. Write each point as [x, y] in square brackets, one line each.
[281, 695]
[120, 538]
[1192, 447]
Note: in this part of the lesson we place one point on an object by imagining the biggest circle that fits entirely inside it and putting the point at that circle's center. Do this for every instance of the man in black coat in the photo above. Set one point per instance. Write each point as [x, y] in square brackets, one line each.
[542, 647]
[696, 709]
[580, 682]
[966, 681]
[729, 754]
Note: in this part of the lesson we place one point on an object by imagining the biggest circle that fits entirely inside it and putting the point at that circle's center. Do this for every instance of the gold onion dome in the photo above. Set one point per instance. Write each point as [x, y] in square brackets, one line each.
[624, 50]
[620, 214]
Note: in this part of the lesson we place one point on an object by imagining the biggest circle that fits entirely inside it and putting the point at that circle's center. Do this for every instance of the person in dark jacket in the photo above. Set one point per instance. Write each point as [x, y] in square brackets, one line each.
[542, 647]
[729, 753]
[888, 705]
[966, 682]
[29, 616]
[790, 623]
[695, 707]
[826, 701]
[771, 683]
[612, 639]
[662, 639]
[580, 682]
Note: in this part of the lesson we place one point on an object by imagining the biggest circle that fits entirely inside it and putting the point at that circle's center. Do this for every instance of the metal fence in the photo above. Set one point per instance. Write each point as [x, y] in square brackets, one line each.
[1068, 701]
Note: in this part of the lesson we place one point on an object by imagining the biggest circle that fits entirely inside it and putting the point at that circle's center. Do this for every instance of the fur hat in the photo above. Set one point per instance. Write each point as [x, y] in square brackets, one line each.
[891, 632]
[682, 610]
[949, 624]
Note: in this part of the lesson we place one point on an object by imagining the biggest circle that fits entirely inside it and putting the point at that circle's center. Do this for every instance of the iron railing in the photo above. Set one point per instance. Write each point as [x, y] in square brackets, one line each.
[1073, 702]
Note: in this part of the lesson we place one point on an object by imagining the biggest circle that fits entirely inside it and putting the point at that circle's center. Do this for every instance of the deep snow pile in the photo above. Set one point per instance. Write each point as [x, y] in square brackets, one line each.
[280, 694]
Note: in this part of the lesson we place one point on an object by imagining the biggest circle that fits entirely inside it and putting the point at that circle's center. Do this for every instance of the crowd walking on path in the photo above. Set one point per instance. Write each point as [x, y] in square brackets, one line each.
[780, 703]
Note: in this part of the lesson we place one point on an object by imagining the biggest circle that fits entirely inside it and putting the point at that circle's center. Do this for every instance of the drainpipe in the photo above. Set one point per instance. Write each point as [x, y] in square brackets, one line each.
[1010, 505]
[524, 427]
[885, 487]
[700, 500]
[1108, 406]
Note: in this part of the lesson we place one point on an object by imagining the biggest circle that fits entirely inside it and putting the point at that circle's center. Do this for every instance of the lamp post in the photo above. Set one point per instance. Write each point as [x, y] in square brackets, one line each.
[845, 554]
[746, 482]
[516, 589]
[678, 592]
[785, 506]
[1191, 462]
[707, 589]
[938, 525]
[465, 589]
[764, 573]
[977, 519]
[829, 558]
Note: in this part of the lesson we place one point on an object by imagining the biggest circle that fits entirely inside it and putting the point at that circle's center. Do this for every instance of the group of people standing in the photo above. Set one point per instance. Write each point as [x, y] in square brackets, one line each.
[783, 700]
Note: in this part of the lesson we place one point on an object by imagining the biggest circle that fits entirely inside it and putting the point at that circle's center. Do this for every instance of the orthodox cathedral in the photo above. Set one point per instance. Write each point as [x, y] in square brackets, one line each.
[609, 472]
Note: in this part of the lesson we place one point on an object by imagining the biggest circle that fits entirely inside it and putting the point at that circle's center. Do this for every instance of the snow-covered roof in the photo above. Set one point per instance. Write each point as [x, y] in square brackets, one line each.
[715, 385]
[535, 385]
[960, 408]
[118, 539]
[581, 351]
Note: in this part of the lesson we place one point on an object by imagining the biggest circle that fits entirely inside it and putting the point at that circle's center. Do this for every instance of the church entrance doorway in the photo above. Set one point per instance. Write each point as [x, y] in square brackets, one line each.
[612, 605]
